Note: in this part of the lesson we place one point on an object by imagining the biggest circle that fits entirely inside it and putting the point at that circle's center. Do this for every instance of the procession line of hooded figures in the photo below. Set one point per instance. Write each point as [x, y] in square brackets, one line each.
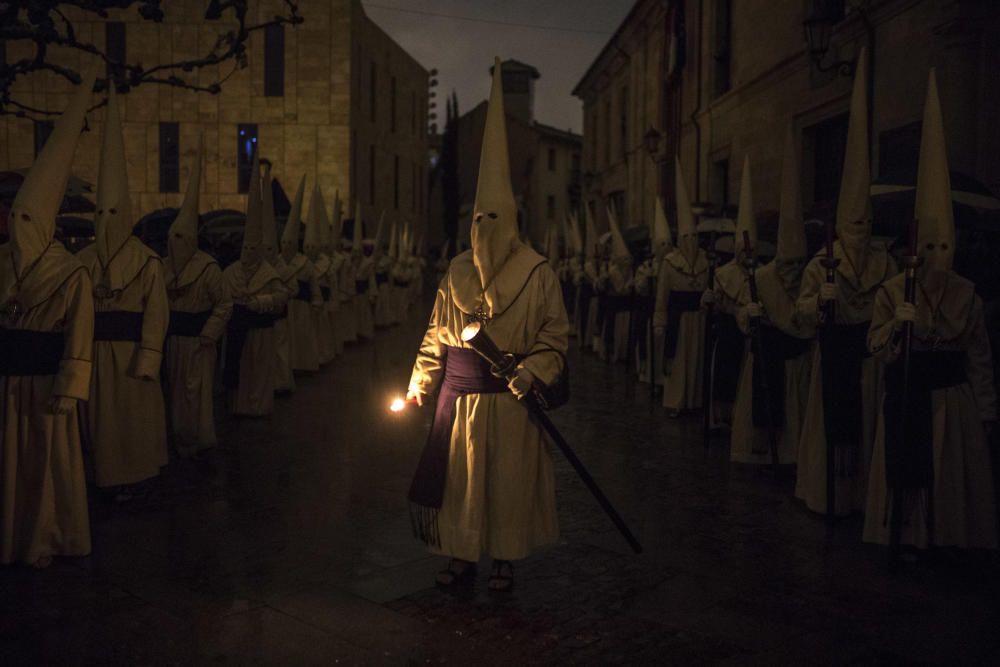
[942, 461]
[83, 338]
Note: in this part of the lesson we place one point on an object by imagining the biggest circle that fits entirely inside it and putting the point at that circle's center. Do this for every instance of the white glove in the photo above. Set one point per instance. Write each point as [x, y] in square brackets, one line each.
[827, 292]
[521, 384]
[707, 298]
[905, 312]
[254, 304]
[413, 394]
[754, 310]
[61, 405]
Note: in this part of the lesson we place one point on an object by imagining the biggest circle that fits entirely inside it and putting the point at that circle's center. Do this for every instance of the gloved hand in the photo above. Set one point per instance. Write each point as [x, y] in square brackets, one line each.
[520, 385]
[413, 394]
[205, 341]
[827, 292]
[61, 405]
[905, 312]
[754, 310]
[707, 298]
[254, 304]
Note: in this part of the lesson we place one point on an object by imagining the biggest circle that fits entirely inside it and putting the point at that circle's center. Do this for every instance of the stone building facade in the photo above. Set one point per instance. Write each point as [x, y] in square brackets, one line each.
[731, 75]
[333, 98]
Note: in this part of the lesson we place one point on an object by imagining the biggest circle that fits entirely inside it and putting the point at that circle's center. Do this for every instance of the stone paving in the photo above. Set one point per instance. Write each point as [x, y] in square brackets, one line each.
[292, 545]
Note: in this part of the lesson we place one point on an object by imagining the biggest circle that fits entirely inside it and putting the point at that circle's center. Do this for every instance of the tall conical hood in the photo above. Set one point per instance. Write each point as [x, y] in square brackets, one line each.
[394, 241]
[577, 234]
[591, 242]
[494, 216]
[113, 219]
[290, 235]
[317, 210]
[745, 220]
[338, 222]
[552, 244]
[32, 220]
[269, 224]
[182, 238]
[326, 231]
[380, 234]
[253, 235]
[933, 207]
[359, 230]
[854, 205]
[791, 226]
[619, 249]
[662, 242]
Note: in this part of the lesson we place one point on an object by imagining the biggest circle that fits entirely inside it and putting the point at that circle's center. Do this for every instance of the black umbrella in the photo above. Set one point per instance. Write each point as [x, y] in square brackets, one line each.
[965, 191]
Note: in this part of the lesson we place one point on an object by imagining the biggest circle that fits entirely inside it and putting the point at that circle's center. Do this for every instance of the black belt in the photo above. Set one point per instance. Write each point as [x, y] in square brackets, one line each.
[118, 325]
[909, 436]
[25, 352]
[844, 349]
[381, 279]
[240, 325]
[360, 286]
[187, 324]
[305, 291]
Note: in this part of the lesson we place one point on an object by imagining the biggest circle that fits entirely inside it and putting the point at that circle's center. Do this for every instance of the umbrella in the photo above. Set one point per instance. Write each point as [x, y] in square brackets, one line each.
[717, 225]
[965, 190]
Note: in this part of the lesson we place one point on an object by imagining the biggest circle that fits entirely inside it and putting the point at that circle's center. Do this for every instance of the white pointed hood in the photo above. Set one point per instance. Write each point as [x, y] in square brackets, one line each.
[330, 225]
[269, 223]
[394, 241]
[314, 235]
[619, 249]
[113, 219]
[251, 255]
[662, 242]
[381, 230]
[791, 226]
[182, 238]
[32, 220]
[687, 230]
[933, 207]
[854, 208]
[592, 239]
[358, 231]
[745, 218]
[293, 224]
[494, 217]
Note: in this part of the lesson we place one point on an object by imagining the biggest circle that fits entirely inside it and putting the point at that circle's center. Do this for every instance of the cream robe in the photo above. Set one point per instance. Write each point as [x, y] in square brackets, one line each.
[364, 302]
[682, 386]
[303, 339]
[284, 379]
[126, 420]
[43, 492]
[321, 316]
[254, 396]
[334, 308]
[499, 496]
[964, 503]
[348, 315]
[854, 305]
[748, 443]
[189, 364]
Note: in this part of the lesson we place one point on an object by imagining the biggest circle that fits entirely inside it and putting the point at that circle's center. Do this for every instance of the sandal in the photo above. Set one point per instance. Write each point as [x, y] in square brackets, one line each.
[502, 577]
[458, 572]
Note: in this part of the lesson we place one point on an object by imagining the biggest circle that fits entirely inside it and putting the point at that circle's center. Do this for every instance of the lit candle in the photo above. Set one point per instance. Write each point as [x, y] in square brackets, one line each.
[399, 404]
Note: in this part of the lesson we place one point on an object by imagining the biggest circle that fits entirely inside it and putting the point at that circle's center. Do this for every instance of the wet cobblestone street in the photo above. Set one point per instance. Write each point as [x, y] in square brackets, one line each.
[292, 545]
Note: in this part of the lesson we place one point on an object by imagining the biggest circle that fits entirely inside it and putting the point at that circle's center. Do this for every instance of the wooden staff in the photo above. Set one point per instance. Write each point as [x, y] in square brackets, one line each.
[827, 320]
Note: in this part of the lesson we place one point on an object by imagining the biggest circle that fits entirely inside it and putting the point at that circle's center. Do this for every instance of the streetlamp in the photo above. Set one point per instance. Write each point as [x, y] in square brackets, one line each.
[651, 140]
[818, 30]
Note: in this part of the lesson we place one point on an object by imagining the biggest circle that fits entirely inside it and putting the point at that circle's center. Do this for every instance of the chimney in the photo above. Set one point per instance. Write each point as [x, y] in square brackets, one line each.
[518, 89]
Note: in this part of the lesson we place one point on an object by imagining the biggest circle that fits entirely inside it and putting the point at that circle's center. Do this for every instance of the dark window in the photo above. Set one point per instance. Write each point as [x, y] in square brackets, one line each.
[170, 157]
[392, 104]
[829, 139]
[413, 113]
[899, 152]
[3, 53]
[274, 61]
[515, 82]
[552, 159]
[372, 94]
[246, 144]
[576, 165]
[413, 193]
[371, 174]
[114, 47]
[623, 121]
[550, 207]
[722, 46]
[719, 186]
[395, 182]
[607, 131]
[43, 128]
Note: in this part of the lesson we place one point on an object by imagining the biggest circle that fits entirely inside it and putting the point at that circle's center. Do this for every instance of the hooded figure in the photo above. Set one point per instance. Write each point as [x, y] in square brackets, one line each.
[485, 481]
[307, 299]
[591, 320]
[786, 339]
[284, 380]
[365, 292]
[315, 242]
[384, 263]
[126, 421]
[341, 281]
[259, 298]
[678, 320]
[400, 277]
[45, 352]
[844, 377]
[942, 455]
[200, 307]
[621, 277]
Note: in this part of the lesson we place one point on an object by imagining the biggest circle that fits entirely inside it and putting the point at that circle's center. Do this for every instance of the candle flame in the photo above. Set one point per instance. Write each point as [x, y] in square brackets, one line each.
[398, 405]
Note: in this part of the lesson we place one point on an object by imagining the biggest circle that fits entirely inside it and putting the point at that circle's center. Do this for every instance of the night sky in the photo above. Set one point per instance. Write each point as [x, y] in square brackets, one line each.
[463, 50]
